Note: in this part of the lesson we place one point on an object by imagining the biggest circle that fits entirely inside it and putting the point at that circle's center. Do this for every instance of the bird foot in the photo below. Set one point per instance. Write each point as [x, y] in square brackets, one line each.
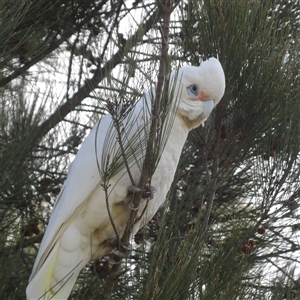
[124, 252]
[147, 192]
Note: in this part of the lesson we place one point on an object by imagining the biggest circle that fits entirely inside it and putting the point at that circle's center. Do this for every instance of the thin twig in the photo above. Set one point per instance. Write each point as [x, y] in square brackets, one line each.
[213, 177]
[117, 125]
[245, 238]
[71, 64]
[115, 22]
[105, 187]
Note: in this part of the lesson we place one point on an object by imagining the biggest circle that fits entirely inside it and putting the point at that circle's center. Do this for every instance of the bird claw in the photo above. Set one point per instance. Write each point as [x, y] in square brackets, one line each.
[123, 252]
[114, 262]
[132, 208]
[147, 193]
[134, 189]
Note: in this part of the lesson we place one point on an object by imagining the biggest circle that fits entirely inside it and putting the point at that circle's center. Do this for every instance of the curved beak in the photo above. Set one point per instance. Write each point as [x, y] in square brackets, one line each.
[201, 96]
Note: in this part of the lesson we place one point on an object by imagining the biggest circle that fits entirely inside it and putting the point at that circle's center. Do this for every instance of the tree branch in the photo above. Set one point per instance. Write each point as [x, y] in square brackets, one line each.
[147, 170]
[153, 141]
[54, 45]
[91, 84]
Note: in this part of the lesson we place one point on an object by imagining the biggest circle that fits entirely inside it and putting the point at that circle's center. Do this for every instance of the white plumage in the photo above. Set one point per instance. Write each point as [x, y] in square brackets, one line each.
[80, 227]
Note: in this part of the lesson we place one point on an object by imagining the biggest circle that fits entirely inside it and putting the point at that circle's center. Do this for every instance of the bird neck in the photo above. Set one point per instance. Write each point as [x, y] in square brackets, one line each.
[180, 126]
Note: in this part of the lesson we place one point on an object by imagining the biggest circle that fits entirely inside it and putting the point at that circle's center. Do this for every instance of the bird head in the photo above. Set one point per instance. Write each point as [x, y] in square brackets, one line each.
[199, 89]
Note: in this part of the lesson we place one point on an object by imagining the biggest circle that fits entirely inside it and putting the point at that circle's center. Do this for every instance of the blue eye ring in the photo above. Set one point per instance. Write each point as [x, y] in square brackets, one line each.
[193, 90]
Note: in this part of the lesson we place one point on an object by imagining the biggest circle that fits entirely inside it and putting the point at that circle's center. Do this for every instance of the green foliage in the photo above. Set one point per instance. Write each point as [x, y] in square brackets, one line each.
[229, 229]
[30, 27]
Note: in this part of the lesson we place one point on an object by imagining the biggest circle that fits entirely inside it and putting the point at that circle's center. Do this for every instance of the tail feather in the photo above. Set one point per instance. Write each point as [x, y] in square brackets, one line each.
[45, 283]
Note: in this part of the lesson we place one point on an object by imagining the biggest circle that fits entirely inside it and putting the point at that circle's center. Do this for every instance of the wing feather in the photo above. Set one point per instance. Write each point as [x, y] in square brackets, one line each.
[86, 172]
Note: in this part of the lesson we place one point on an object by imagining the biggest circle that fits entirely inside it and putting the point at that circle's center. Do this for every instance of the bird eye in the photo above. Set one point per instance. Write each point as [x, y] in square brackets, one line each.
[193, 90]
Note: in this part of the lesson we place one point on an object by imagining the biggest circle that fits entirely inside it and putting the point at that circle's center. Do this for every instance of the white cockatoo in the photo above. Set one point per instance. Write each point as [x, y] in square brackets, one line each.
[80, 228]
